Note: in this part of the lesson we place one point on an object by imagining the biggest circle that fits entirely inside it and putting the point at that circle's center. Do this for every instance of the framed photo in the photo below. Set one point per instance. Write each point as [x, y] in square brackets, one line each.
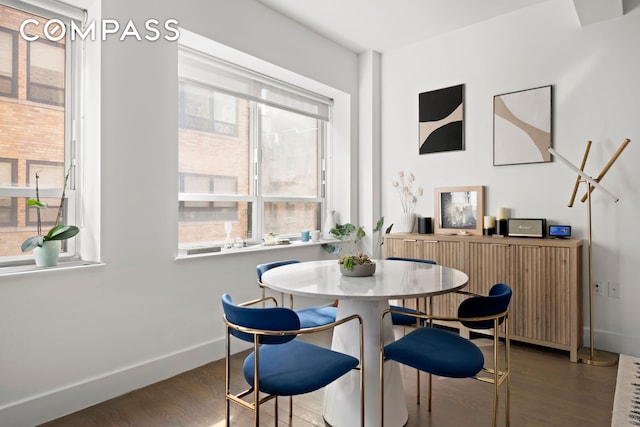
[459, 210]
[522, 127]
[441, 120]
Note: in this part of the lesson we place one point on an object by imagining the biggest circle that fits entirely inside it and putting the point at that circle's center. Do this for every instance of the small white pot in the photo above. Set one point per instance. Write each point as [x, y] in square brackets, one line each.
[405, 223]
[47, 255]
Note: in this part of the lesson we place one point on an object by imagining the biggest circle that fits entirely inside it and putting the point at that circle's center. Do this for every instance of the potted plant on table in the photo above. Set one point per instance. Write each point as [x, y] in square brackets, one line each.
[46, 247]
[356, 262]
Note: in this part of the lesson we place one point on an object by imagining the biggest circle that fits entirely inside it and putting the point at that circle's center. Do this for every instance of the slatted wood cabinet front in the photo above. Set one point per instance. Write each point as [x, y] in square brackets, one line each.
[545, 275]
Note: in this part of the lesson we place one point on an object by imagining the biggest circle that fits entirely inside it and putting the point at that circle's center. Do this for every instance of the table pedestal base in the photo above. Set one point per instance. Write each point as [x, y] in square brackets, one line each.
[342, 402]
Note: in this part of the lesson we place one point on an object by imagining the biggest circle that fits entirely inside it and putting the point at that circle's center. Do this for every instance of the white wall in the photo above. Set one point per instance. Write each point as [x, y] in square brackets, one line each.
[71, 338]
[596, 96]
[368, 158]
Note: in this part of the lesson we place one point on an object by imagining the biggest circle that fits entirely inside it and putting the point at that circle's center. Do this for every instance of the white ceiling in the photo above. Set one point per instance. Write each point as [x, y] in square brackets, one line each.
[382, 25]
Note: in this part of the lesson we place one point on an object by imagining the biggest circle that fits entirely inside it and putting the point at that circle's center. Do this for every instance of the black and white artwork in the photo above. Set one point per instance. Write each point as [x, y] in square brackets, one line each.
[441, 120]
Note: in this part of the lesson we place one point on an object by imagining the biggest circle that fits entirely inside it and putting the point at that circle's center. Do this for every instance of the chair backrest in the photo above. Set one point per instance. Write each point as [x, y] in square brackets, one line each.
[263, 268]
[426, 261]
[263, 318]
[479, 306]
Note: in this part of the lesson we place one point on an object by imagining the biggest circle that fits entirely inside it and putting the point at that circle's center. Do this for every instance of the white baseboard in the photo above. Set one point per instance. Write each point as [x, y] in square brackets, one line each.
[53, 404]
[613, 342]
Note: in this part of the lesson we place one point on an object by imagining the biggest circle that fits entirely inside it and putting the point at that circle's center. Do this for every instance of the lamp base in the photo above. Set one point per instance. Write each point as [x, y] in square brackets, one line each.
[598, 358]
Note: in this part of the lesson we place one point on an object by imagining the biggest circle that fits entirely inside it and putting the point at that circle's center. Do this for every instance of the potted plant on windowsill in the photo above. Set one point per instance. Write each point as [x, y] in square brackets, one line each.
[46, 247]
[356, 262]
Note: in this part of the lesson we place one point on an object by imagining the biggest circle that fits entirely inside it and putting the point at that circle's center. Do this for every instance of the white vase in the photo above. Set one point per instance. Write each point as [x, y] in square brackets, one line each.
[329, 223]
[405, 223]
[47, 255]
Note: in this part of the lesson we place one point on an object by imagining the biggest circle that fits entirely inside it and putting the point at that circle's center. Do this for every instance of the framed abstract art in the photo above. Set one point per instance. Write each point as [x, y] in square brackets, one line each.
[522, 127]
[441, 120]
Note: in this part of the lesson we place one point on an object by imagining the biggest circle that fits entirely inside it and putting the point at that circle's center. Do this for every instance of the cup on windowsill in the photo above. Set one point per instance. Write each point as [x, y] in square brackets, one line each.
[315, 235]
[304, 235]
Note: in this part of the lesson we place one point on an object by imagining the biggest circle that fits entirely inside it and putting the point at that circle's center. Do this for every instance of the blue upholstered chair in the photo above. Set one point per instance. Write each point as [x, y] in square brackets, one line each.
[310, 316]
[447, 354]
[280, 364]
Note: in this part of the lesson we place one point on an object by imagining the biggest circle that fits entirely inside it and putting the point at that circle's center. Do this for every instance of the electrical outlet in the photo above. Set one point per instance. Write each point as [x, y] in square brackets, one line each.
[597, 288]
[614, 289]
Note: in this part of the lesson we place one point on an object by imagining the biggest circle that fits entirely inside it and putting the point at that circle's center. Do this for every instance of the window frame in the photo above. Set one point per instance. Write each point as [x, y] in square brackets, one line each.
[14, 73]
[75, 94]
[31, 85]
[212, 206]
[13, 207]
[52, 207]
[321, 194]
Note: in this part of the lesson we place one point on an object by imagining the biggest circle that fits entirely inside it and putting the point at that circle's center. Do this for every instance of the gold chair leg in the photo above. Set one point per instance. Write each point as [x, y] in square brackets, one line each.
[507, 348]
[227, 368]
[508, 403]
[226, 412]
[381, 390]
[256, 409]
[430, 390]
[428, 309]
[256, 388]
[496, 374]
[495, 405]
[418, 386]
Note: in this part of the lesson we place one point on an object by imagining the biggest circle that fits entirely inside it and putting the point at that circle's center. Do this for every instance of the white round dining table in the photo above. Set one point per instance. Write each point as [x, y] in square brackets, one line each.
[368, 297]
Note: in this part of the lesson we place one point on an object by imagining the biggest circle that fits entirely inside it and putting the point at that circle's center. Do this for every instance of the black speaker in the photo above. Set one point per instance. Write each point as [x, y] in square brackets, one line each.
[501, 227]
[424, 225]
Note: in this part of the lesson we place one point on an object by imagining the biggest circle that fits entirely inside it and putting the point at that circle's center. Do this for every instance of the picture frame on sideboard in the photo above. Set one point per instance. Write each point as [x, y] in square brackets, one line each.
[459, 210]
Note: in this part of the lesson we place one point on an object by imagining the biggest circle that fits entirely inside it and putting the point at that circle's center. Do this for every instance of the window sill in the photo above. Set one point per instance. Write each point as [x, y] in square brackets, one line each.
[254, 248]
[62, 265]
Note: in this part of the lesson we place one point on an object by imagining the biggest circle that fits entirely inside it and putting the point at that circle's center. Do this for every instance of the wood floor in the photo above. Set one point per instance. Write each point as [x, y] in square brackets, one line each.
[546, 390]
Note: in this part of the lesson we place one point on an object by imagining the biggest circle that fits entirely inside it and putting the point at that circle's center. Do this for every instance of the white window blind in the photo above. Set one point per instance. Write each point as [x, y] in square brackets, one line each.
[235, 80]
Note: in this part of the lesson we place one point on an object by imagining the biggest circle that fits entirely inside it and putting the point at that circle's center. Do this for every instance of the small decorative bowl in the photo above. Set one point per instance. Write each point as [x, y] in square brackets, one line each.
[359, 270]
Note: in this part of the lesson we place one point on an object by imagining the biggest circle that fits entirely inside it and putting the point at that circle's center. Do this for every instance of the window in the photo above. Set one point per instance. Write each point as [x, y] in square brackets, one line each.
[51, 175]
[8, 206]
[290, 147]
[46, 70]
[205, 211]
[251, 152]
[206, 110]
[36, 123]
[8, 64]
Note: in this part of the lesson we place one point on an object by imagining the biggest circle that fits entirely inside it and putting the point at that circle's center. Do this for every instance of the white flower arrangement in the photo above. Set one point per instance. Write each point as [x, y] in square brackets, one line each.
[408, 198]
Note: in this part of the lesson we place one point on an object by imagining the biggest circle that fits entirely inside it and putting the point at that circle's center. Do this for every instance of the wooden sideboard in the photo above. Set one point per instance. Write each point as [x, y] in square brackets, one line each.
[545, 275]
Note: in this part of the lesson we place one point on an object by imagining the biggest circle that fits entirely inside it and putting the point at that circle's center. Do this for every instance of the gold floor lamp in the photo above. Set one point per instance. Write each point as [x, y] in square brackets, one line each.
[590, 355]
